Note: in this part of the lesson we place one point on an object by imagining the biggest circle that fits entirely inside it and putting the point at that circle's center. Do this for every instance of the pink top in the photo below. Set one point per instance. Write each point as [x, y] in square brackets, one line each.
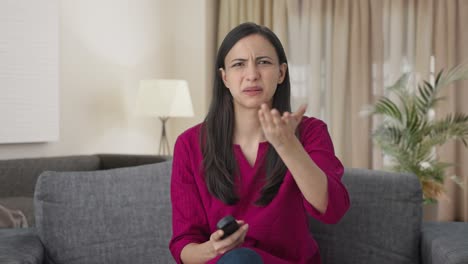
[279, 231]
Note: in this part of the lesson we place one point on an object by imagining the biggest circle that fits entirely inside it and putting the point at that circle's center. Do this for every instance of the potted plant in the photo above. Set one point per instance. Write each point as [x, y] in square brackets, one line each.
[409, 131]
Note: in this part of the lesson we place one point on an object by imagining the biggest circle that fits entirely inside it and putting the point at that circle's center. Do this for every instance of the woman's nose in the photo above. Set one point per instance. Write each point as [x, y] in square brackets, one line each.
[251, 72]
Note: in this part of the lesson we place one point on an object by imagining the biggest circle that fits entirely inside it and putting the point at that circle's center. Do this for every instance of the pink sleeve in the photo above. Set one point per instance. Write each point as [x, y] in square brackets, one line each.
[318, 144]
[189, 224]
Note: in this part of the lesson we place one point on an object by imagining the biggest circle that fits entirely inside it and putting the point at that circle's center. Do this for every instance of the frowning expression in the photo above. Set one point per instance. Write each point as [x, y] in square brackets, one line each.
[252, 72]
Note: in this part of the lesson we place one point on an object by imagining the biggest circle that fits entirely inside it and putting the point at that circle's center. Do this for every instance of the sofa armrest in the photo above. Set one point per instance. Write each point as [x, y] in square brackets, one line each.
[20, 245]
[444, 243]
[112, 161]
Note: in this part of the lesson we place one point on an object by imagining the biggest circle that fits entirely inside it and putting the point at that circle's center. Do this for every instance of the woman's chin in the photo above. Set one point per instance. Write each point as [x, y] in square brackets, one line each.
[251, 106]
[253, 103]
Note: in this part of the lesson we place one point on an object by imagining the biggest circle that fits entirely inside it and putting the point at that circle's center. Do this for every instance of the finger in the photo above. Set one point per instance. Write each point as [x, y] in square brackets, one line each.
[267, 115]
[244, 228]
[263, 123]
[244, 235]
[264, 108]
[275, 116]
[219, 233]
[244, 232]
[216, 236]
[234, 240]
[241, 233]
[286, 116]
[300, 111]
[261, 116]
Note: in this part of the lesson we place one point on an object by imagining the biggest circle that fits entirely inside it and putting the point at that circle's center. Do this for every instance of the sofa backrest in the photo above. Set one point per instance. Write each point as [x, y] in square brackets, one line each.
[109, 216]
[113, 161]
[383, 224]
[18, 176]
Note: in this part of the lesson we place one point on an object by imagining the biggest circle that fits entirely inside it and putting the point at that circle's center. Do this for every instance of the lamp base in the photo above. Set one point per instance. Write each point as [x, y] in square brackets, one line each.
[164, 148]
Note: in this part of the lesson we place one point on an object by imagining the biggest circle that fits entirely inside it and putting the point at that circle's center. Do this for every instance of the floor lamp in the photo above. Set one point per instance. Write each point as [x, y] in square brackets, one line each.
[164, 99]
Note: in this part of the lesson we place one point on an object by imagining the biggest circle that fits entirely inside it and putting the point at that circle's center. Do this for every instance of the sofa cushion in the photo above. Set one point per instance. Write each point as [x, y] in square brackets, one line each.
[20, 245]
[383, 224]
[110, 216]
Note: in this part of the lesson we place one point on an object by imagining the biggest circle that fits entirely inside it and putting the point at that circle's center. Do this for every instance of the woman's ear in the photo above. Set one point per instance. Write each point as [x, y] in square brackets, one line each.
[283, 69]
[222, 72]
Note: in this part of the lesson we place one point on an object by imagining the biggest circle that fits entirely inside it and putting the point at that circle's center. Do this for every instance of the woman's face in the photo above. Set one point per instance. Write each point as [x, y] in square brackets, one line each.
[252, 72]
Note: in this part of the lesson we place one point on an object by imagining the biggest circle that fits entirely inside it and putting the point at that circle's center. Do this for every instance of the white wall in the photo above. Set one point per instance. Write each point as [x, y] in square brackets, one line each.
[195, 20]
[106, 47]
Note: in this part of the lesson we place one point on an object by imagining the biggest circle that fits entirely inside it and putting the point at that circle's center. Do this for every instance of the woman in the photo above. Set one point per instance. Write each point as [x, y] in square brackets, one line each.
[255, 160]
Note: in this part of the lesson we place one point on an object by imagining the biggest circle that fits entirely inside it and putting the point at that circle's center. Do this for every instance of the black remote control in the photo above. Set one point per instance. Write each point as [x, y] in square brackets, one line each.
[228, 224]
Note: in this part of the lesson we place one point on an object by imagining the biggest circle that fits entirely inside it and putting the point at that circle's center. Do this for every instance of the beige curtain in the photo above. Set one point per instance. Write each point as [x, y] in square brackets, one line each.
[343, 53]
[270, 13]
[330, 65]
[450, 48]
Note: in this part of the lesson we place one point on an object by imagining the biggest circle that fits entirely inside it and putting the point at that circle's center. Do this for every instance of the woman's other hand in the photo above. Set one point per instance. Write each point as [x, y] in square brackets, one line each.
[221, 246]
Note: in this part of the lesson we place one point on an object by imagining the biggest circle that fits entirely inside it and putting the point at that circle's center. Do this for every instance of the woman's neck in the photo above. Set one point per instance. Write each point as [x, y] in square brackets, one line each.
[247, 127]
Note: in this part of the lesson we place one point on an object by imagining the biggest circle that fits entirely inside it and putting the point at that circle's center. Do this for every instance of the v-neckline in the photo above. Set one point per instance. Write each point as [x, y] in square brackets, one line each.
[260, 149]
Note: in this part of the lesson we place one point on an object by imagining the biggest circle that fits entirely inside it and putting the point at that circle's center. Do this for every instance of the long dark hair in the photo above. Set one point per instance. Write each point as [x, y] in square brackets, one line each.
[216, 139]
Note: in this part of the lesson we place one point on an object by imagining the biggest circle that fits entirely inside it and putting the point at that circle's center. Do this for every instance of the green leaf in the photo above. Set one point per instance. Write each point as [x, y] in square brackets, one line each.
[387, 108]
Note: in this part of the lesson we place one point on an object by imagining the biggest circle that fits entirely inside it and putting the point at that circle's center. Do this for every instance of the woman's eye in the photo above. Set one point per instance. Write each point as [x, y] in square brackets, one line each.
[238, 64]
[264, 62]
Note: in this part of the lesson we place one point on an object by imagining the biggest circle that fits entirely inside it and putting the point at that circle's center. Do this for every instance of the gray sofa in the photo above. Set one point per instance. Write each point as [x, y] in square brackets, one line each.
[18, 176]
[122, 215]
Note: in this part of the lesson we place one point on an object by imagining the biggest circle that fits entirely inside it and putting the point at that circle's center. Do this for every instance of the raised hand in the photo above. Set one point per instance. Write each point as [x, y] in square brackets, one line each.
[279, 130]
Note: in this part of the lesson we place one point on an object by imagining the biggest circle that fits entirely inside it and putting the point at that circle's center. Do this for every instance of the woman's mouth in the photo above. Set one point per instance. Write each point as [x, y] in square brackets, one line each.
[254, 90]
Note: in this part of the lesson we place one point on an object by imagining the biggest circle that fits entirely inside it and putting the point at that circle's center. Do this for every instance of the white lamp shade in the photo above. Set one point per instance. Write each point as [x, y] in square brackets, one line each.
[164, 98]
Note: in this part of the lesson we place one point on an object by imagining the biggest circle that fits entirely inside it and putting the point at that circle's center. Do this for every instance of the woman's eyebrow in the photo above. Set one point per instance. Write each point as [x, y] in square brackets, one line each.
[238, 59]
[263, 57]
[258, 58]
